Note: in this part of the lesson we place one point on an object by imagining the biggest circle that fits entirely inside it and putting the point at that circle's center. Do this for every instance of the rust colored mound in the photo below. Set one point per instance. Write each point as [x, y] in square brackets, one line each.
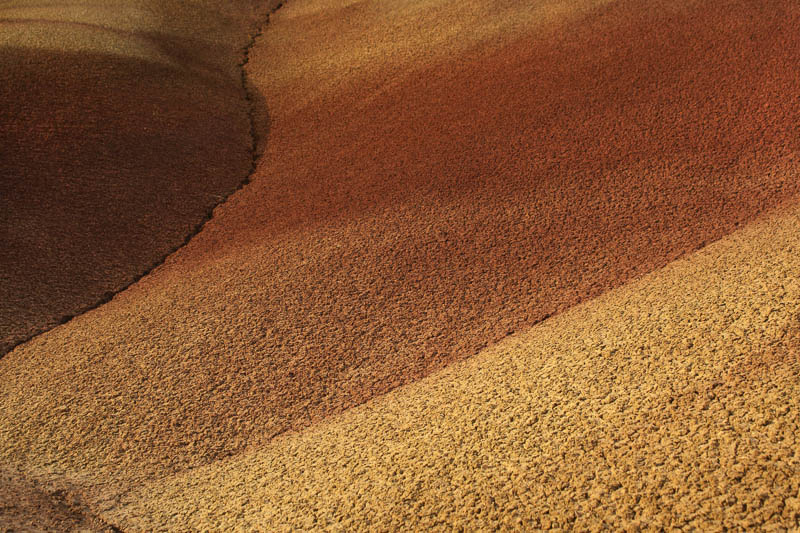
[671, 403]
[407, 214]
[117, 139]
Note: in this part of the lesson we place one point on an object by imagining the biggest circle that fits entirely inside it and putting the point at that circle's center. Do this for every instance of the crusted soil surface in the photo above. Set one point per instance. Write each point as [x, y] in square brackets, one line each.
[122, 125]
[671, 402]
[26, 507]
[438, 176]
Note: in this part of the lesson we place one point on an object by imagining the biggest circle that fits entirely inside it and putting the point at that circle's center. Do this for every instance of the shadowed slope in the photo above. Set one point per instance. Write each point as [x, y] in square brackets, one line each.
[411, 213]
[672, 402]
[26, 507]
[120, 130]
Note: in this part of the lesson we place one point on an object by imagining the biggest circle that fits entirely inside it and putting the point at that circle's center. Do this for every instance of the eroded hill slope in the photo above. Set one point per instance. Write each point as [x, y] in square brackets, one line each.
[423, 194]
[673, 401]
[122, 124]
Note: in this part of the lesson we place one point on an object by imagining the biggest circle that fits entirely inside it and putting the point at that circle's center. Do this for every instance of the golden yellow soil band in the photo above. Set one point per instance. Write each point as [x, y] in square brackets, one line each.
[671, 401]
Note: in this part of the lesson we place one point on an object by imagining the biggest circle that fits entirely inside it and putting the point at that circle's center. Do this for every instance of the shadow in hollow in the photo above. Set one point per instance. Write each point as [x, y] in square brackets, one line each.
[107, 165]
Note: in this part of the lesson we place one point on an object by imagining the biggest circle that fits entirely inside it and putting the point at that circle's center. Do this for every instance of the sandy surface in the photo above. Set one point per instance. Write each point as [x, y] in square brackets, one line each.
[426, 191]
[122, 124]
[673, 401]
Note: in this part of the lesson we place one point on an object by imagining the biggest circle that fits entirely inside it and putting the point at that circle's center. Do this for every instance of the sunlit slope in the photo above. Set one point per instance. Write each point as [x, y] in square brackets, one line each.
[673, 401]
[388, 233]
[122, 124]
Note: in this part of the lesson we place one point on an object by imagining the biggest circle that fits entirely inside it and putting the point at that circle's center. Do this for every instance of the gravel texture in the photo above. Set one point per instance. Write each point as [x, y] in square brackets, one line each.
[122, 125]
[425, 191]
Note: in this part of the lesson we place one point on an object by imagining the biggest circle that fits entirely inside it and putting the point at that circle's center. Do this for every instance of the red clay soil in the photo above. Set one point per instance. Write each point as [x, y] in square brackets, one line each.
[384, 237]
[109, 157]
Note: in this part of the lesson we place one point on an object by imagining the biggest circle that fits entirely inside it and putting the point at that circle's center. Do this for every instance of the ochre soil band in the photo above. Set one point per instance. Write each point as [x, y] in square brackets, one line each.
[670, 402]
[408, 215]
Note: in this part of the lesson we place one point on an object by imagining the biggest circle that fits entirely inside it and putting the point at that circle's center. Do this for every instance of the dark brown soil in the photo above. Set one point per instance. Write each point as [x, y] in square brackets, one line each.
[26, 507]
[110, 160]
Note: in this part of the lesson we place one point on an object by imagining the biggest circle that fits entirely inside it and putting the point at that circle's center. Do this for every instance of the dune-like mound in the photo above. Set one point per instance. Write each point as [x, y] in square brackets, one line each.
[122, 124]
[438, 176]
[671, 402]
